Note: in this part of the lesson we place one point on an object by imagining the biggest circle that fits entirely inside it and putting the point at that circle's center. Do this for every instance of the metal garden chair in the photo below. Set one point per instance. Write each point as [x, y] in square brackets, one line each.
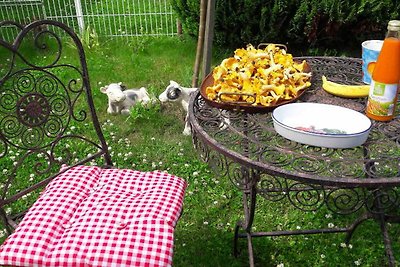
[84, 212]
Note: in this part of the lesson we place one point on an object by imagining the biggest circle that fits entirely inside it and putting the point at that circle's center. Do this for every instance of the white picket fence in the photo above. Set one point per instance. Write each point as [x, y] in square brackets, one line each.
[107, 17]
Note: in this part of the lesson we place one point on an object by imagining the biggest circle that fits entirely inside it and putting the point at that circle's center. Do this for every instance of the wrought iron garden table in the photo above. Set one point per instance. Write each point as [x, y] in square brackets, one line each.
[245, 148]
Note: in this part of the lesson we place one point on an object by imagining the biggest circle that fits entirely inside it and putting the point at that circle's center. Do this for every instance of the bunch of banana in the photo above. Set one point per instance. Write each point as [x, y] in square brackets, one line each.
[344, 90]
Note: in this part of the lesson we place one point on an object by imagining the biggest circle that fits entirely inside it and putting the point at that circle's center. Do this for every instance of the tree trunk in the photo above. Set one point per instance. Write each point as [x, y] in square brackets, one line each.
[200, 42]
[179, 26]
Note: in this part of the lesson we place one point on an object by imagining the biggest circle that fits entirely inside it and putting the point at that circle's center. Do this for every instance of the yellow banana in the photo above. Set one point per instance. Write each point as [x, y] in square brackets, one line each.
[344, 90]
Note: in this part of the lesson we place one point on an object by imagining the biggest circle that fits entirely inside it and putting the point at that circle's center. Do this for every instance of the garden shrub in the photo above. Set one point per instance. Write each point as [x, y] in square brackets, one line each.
[326, 23]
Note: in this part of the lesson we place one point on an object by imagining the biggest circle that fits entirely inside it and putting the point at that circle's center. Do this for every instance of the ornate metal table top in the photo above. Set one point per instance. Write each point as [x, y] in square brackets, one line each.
[250, 139]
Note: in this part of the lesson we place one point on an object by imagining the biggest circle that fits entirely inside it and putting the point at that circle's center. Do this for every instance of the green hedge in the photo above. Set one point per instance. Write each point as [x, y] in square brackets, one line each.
[313, 23]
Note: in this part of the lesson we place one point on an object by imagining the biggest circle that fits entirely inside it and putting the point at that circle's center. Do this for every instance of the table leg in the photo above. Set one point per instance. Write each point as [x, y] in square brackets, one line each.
[352, 228]
[249, 204]
[387, 242]
[379, 216]
[379, 200]
[385, 233]
[249, 201]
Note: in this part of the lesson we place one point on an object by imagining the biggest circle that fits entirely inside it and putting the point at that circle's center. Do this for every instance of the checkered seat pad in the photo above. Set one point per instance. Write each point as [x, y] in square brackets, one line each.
[90, 216]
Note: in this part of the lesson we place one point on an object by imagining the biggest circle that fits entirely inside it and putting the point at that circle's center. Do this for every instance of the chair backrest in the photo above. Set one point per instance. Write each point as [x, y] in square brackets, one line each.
[48, 122]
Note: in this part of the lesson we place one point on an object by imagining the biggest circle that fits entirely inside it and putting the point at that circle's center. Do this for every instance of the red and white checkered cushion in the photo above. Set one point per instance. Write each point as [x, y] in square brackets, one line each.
[90, 216]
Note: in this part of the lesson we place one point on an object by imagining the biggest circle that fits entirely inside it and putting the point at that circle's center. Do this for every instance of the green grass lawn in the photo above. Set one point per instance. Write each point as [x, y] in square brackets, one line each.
[153, 140]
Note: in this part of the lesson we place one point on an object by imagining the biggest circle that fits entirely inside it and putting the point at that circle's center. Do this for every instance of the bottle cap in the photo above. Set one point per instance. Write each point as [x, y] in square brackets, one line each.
[394, 25]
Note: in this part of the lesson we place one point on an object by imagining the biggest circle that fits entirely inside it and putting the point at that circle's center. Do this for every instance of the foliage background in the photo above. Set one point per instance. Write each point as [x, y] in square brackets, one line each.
[313, 23]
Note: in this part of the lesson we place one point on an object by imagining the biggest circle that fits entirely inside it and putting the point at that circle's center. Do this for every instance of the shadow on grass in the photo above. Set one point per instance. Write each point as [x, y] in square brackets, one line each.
[205, 245]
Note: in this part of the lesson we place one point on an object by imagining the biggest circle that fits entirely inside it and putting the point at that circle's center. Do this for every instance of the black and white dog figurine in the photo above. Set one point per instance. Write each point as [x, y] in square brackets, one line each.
[121, 100]
[179, 94]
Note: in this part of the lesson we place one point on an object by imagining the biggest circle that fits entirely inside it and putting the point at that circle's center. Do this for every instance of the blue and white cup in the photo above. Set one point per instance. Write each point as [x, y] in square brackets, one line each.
[370, 52]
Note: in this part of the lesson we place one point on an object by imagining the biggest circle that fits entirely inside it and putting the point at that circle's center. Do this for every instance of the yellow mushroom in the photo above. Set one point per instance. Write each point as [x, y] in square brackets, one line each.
[258, 76]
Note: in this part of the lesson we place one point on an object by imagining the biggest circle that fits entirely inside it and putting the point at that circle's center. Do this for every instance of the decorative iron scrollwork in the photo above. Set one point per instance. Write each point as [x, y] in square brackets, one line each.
[44, 95]
[383, 201]
[272, 188]
[33, 109]
[345, 200]
[306, 197]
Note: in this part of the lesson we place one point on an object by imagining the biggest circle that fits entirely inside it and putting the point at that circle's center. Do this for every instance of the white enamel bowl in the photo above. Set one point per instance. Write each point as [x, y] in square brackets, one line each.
[321, 125]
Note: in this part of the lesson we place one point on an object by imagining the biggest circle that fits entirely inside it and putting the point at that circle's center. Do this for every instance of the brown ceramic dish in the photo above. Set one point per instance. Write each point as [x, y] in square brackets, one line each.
[242, 106]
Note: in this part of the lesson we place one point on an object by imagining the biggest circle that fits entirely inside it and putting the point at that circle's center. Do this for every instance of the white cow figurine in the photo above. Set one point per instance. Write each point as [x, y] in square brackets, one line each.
[120, 100]
[179, 94]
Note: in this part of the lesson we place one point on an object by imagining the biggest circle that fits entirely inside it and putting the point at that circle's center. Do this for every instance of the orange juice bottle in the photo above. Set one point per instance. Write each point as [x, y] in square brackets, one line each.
[385, 80]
